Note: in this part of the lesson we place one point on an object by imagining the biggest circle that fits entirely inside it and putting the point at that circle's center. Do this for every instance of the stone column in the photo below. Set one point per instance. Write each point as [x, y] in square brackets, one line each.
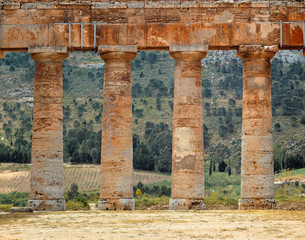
[116, 159]
[257, 177]
[187, 156]
[47, 177]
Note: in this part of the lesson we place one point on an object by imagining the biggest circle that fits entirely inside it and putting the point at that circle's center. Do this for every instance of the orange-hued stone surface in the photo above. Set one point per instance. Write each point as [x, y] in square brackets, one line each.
[150, 24]
[187, 156]
[116, 160]
[47, 179]
[257, 180]
[118, 29]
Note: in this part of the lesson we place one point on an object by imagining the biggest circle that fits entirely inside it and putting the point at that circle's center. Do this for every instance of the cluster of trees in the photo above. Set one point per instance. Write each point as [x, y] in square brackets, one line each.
[82, 144]
[155, 88]
[291, 157]
[18, 199]
[225, 117]
[225, 159]
[19, 149]
[155, 153]
[288, 94]
[153, 190]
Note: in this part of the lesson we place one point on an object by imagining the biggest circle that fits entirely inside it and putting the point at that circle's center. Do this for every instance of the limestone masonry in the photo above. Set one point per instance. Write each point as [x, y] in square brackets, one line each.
[49, 30]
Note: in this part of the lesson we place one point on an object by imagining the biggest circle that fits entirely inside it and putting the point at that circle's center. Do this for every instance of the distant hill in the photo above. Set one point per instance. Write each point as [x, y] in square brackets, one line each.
[153, 86]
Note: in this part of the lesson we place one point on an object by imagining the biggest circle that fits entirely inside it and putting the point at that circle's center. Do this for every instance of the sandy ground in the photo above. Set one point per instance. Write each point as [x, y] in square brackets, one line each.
[149, 225]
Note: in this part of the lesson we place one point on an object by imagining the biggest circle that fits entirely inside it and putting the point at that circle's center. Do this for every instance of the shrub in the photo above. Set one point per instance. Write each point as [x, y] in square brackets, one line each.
[303, 119]
[5, 208]
[277, 127]
[18, 199]
[222, 131]
[75, 205]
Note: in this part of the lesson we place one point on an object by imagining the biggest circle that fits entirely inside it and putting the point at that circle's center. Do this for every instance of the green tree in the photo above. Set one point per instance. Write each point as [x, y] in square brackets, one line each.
[302, 119]
[73, 192]
[222, 131]
[232, 102]
[143, 159]
[293, 121]
[277, 127]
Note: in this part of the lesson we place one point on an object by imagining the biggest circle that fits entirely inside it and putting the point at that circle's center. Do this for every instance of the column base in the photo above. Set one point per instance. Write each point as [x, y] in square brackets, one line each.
[258, 204]
[186, 204]
[116, 204]
[47, 205]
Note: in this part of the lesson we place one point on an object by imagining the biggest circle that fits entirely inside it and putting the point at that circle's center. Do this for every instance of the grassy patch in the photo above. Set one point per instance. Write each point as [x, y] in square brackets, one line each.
[226, 201]
[291, 175]
[5, 207]
[221, 185]
[147, 201]
[75, 205]
[14, 167]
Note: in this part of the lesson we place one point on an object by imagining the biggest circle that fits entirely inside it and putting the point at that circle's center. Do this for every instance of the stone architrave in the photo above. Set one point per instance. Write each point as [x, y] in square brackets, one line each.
[257, 177]
[117, 152]
[47, 178]
[187, 156]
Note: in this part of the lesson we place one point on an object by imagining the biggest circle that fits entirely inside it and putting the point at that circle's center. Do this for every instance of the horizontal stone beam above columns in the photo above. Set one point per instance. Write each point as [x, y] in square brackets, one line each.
[38, 49]
[149, 36]
[117, 48]
[189, 48]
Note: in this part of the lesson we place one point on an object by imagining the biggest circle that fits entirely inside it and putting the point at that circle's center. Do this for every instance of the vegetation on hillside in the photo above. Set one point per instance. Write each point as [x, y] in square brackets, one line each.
[153, 85]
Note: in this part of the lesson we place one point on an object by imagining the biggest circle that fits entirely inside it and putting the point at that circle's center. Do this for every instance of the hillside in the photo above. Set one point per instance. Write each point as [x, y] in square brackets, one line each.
[153, 81]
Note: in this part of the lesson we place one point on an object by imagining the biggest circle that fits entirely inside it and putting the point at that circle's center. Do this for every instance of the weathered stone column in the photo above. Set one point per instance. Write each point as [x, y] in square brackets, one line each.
[47, 178]
[257, 177]
[116, 160]
[187, 155]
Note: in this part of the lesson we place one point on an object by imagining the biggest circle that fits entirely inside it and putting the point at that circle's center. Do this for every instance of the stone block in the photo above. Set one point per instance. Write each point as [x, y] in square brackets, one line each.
[47, 205]
[45, 5]
[11, 5]
[117, 48]
[51, 49]
[189, 48]
[257, 143]
[186, 204]
[116, 204]
[21, 209]
[257, 204]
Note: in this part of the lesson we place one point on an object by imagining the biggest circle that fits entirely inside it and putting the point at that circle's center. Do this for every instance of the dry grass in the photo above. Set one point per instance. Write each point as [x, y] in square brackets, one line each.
[155, 225]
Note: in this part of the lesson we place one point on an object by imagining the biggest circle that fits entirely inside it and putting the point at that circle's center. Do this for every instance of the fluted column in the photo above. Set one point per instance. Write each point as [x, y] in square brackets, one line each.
[116, 159]
[47, 178]
[257, 177]
[187, 155]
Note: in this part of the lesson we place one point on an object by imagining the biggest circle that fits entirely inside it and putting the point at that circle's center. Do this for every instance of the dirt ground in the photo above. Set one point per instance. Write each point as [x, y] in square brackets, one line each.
[212, 224]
